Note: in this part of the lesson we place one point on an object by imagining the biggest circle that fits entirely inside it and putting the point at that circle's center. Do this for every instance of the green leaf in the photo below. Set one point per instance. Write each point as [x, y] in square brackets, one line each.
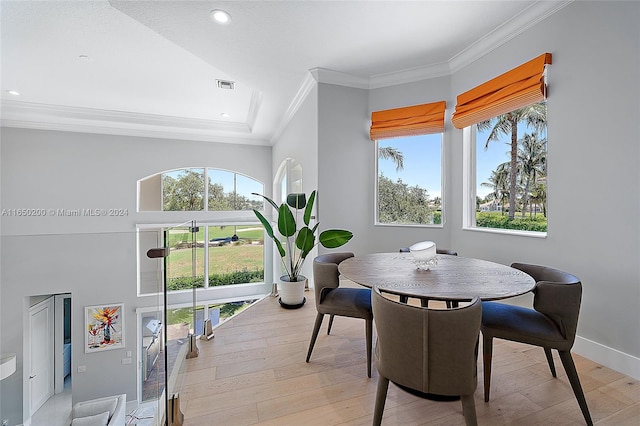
[269, 230]
[265, 223]
[280, 248]
[332, 238]
[307, 211]
[286, 221]
[297, 201]
[275, 206]
[305, 241]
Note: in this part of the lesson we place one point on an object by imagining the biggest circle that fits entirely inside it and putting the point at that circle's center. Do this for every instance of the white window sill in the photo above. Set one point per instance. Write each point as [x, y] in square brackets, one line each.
[515, 232]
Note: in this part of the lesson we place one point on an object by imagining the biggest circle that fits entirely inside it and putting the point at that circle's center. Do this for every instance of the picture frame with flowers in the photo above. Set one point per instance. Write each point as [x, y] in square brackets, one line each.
[104, 327]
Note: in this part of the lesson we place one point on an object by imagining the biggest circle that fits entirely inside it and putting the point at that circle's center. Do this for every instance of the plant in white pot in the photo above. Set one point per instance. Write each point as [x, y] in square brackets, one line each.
[298, 243]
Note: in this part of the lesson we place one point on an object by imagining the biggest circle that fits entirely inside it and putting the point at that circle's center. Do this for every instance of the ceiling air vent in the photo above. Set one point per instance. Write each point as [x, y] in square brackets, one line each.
[226, 84]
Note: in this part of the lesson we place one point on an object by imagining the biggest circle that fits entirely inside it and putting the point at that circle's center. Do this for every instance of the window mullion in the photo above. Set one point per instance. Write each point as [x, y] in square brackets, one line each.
[469, 175]
[206, 190]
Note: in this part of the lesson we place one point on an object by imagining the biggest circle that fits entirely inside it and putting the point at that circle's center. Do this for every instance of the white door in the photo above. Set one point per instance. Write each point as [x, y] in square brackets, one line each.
[41, 359]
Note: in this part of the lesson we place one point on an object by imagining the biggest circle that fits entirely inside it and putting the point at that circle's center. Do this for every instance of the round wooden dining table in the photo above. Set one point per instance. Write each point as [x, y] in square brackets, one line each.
[453, 278]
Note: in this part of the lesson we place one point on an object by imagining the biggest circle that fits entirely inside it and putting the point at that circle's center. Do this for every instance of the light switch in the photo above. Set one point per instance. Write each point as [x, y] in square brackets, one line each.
[82, 368]
[126, 360]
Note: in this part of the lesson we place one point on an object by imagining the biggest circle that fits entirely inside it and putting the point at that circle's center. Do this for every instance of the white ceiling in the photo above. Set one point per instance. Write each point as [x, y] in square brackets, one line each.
[152, 65]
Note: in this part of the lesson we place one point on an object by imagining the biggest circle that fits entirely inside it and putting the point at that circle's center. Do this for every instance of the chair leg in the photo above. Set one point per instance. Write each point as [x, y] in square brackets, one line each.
[369, 338]
[452, 304]
[424, 303]
[487, 353]
[314, 335]
[381, 397]
[404, 299]
[552, 366]
[469, 410]
[330, 323]
[572, 374]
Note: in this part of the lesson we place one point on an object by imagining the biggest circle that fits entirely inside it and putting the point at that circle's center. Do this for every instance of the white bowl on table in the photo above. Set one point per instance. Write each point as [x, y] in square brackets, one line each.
[424, 254]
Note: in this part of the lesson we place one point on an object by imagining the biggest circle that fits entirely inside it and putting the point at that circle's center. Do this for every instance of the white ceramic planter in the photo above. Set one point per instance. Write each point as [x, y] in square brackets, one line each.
[291, 293]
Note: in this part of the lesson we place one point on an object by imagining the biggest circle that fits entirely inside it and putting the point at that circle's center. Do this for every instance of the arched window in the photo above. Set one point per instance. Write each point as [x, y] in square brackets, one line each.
[185, 190]
[228, 247]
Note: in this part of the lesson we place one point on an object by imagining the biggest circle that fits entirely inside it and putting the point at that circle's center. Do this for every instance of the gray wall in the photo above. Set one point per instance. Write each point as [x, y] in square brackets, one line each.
[299, 141]
[346, 169]
[593, 178]
[93, 258]
[594, 181]
[347, 163]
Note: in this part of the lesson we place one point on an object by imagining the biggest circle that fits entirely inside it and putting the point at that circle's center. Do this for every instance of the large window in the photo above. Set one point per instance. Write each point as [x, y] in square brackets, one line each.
[509, 156]
[505, 150]
[228, 247]
[409, 180]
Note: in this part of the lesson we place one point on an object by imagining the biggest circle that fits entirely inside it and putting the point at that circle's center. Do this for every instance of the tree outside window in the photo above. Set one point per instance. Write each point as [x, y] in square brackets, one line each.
[511, 170]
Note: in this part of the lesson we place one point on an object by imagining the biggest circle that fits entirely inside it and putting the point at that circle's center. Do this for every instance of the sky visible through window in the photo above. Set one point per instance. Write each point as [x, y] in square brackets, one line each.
[497, 152]
[422, 162]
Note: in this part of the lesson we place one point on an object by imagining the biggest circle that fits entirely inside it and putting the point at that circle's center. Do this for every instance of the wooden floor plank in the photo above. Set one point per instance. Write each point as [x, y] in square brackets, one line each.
[253, 372]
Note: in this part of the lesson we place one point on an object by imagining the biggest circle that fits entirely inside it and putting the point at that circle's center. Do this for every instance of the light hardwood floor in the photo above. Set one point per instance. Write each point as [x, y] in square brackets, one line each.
[253, 372]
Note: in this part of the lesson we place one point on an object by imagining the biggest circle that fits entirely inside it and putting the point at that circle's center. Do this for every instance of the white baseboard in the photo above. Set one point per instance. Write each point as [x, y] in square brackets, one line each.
[624, 363]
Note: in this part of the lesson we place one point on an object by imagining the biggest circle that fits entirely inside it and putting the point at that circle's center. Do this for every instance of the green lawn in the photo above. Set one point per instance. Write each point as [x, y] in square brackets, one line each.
[245, 232]
[222, 259]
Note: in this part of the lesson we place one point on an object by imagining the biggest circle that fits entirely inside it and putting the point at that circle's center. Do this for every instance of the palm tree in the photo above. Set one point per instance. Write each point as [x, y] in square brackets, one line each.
[534, 117]
[388, 152]
[498, 183]
[532, 160]
[539, 196]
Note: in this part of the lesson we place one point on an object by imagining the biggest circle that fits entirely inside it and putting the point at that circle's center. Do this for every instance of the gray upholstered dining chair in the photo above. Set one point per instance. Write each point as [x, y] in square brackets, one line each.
[427, 351]
[425, 302]
[342, 301]
[551, 324]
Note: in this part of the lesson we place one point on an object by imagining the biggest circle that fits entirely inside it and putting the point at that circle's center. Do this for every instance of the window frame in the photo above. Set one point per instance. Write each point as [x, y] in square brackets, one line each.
[376, 221]
[161, 227]
[469, 181]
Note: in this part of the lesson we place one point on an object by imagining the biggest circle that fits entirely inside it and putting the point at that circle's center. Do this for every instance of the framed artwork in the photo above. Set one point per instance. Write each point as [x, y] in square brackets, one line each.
[104, 327]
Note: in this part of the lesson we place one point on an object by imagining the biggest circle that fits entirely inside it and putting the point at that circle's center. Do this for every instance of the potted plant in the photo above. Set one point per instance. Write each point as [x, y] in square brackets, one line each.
[298, 243]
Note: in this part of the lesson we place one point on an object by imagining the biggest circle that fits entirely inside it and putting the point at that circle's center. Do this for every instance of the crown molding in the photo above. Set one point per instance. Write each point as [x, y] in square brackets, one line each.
[254, 107]
[323, 75]
[526, 19]
[307, 85]
[89, 120]
[409, 76]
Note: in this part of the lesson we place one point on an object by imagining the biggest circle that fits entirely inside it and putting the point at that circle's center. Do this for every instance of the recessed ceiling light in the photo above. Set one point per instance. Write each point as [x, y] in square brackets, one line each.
[83, 57]
[220, 16]
[225, 114]
[13, 92]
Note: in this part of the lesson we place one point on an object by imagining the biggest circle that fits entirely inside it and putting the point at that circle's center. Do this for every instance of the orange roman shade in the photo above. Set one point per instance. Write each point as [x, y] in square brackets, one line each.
[408, 121]
[522, 86]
